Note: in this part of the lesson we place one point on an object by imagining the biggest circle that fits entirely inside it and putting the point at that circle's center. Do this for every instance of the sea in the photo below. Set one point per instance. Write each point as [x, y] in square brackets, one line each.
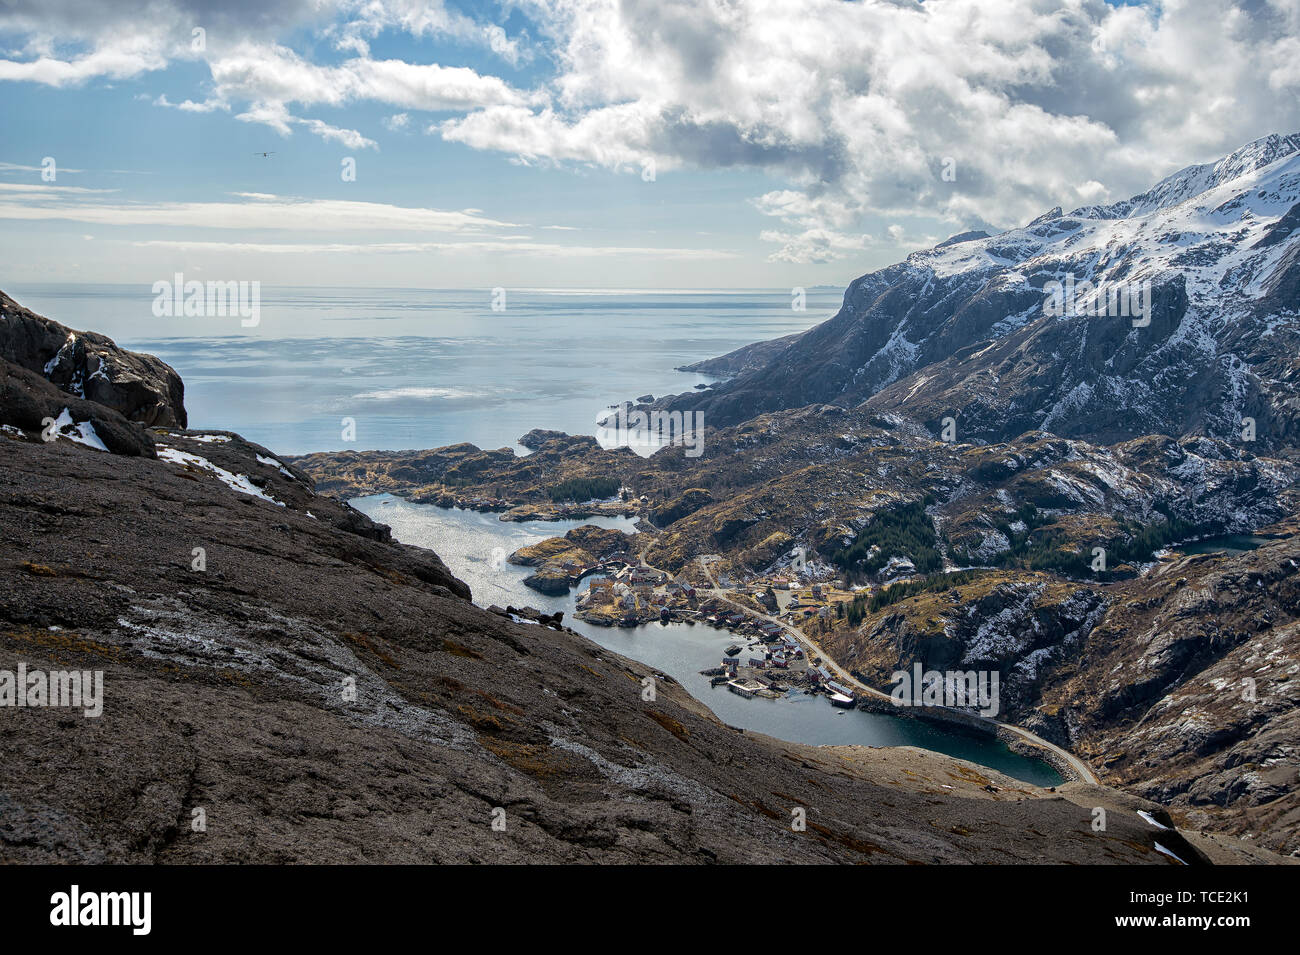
[423, 368]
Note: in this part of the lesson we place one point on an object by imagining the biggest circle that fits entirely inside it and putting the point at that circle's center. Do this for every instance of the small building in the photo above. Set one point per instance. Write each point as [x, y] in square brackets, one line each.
[744, 687]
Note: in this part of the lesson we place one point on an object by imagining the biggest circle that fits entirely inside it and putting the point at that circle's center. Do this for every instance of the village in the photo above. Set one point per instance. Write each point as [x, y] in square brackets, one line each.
[539, 511]
[764, 614]
[772, 616]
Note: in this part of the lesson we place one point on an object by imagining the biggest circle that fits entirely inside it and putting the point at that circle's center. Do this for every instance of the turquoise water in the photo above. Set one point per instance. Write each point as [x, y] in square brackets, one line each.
[419, 368]
[474, 546]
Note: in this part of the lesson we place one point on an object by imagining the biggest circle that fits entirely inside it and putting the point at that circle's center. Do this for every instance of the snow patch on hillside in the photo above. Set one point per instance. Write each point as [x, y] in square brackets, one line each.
[236, 482]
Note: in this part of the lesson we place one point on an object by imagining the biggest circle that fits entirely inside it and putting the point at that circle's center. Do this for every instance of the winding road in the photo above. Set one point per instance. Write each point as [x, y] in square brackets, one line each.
[1082, 770]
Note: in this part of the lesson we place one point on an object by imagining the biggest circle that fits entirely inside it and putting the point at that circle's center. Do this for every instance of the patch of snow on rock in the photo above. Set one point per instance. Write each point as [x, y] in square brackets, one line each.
[236, 482]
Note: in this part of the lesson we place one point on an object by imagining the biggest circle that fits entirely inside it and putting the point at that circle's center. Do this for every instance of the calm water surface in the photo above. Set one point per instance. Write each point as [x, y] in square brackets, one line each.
[1223, 544]
[421, 368]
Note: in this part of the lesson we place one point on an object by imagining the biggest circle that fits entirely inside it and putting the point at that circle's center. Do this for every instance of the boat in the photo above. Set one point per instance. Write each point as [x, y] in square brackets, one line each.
[732, 650]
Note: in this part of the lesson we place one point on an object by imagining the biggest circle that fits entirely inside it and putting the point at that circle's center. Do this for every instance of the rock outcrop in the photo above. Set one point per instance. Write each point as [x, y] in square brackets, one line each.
[89, 366]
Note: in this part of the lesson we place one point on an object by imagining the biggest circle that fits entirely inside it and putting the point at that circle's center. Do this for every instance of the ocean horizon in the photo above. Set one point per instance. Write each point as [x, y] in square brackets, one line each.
[424, 368]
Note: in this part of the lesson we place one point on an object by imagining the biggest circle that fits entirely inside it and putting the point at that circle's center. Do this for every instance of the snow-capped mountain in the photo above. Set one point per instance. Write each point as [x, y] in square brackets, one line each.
[1176, 311]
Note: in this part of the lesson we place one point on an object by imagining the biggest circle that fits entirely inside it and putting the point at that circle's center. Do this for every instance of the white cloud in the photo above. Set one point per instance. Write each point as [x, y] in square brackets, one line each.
[249, 68]
[35, 190]
[260, 212]
[422, 18]
[118, 60]
[616, 136]
[347, 137]
[189, 106]
[813, 246]
[965, 111]
[20, 167]
[508, 245]
[860, 106]
[278, 117]
[273, 77]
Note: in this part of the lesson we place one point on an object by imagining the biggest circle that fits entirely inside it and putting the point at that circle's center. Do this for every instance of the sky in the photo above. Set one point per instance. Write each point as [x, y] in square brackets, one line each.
[596, 143]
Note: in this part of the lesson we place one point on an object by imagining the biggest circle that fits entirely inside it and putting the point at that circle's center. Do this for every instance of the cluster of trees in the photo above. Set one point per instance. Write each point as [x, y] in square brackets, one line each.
[1053, 552]
[903, 532]
[861, 605]
[585, 489]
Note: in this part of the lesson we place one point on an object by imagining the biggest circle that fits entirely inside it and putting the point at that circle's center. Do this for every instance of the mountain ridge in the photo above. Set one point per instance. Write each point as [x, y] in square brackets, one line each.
[1210, 245]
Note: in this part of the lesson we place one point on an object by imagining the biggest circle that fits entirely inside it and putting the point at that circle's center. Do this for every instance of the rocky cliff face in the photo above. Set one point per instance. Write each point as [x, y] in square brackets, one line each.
[964, 331]
[1179, 684]
[1186, 691]
[89, 366]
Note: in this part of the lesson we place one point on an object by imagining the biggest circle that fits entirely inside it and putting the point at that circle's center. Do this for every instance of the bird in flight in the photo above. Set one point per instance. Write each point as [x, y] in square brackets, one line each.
[264, 155]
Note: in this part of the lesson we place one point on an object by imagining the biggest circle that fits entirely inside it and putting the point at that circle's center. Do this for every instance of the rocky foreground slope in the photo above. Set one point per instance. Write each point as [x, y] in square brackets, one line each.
[1179, 684]
[283, 683]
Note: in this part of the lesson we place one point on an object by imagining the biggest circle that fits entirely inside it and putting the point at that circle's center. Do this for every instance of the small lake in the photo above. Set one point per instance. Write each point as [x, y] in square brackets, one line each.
[474, 546]
[1223, 544]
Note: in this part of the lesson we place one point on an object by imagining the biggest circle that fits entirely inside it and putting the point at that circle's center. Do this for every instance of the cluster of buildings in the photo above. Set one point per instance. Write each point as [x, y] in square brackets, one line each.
[769, 672]
[482, 503]
[794, 601]
[633, 596]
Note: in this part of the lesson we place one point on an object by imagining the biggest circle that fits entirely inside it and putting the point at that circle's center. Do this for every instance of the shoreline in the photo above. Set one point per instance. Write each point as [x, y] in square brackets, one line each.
[1070, 766]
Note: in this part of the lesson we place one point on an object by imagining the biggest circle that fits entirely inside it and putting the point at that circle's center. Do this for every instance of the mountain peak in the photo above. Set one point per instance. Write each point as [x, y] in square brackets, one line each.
[1255, 155]
[964, 325]
[1053, 213]
[960, 237]
[1192, 181]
